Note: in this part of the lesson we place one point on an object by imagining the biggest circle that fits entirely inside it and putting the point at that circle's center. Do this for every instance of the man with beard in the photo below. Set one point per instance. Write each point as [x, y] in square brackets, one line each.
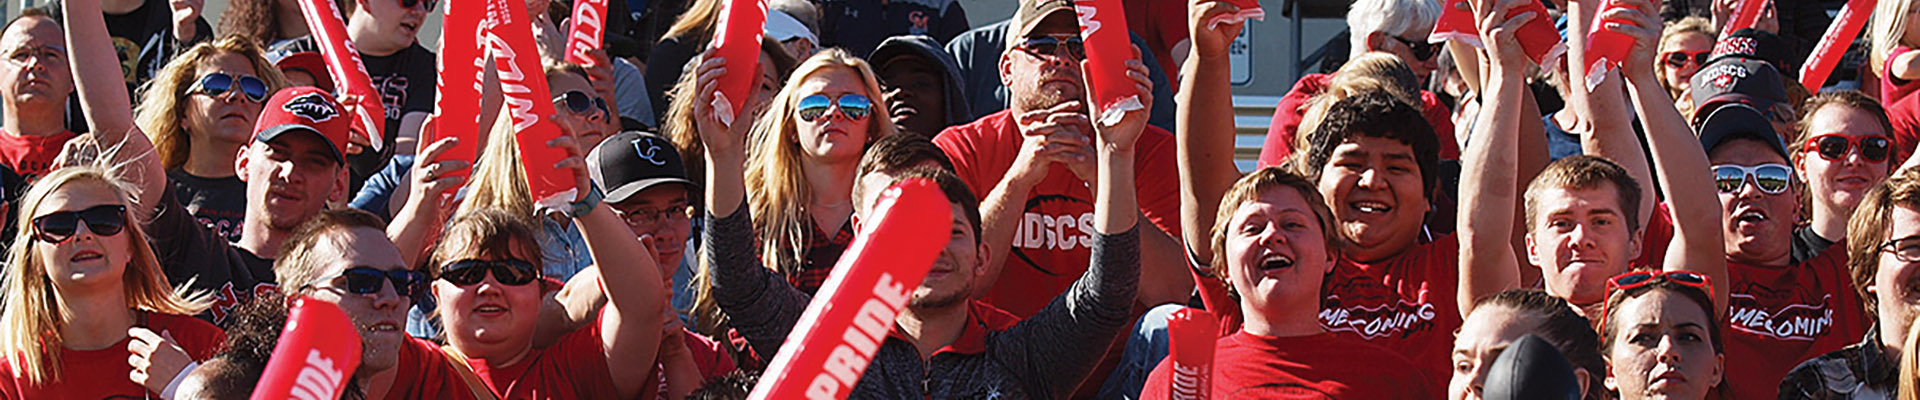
[34, 83]
[921, 84]
[1033, 164]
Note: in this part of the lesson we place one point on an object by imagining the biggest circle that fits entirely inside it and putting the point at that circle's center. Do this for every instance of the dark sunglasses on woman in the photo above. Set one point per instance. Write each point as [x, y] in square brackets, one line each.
[102, 220]
[368, 280]
[852, 105]
[579, 102]
[1834, 147]
[509, 272]
[1677, 59]
[216, 84]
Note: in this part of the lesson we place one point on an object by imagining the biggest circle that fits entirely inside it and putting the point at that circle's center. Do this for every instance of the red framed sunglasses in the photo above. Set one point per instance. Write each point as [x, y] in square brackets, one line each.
[1635, 279]
[1679, 59]
[1834, 147]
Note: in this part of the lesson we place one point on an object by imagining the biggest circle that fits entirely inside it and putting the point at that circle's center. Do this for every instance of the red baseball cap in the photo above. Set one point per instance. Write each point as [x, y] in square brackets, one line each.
[305, 109]
[309, 62]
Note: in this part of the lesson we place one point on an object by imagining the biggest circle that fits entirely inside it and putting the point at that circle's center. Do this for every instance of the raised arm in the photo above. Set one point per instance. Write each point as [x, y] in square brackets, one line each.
[1066, 339]
[1206, 132]
[108, 108]
[1685, 174]
[1489, 177]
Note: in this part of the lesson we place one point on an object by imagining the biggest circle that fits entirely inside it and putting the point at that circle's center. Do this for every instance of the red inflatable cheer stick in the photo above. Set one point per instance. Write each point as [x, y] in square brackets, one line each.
[588, 18]
[1846, 26]
[1606, 49]
[343, 62]
[1456, 23]
[458, 106]
[1190, 339]
[527, 103]
[738, 41]
[1538, 37]
[1744, 17]
[316, 354]
[854, 310]
[1103, 26]
[1249, 9]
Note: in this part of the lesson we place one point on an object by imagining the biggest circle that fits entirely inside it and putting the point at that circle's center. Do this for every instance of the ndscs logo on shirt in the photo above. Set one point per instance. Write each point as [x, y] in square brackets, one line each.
[1050, 232]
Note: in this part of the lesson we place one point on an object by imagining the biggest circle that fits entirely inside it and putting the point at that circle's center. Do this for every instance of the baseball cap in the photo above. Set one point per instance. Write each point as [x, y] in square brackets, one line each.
[1030, 14]
[1756, 44]
[631, 162]
[1739, 121]
[305, 109]
[309, 62]
[1736, 80]
[783, 27]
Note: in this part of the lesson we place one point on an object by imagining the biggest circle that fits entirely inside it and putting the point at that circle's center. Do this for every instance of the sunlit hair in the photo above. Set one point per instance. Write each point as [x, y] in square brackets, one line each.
[777, 189]
[1372, 72]
[1569, 332]
[1248, 190]
[1888, 28]
[499, 181]
[678, 124]
[35, 320]
[697, 24]
[1389, 17]
[1910, 365]
[1584, 172]
[162, 111]
[258, 20]
[298, 264]
[1670, 38]
[1871, 226]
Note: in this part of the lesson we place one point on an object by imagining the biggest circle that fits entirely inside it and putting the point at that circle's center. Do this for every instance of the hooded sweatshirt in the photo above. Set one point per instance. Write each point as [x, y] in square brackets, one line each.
[927, 48]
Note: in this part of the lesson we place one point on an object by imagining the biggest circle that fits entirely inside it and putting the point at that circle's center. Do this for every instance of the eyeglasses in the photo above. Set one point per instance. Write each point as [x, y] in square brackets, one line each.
[368, 280]
[412, 3]
[1834, 147]
[1630, 280]
[1051, 45]
[216, 84]
[580, 102]
[1770, 178]
[852, 105]
[1420, 49]
[1678, 59]
[1906, 249]
[49, 53]
[103, 220]
[508, 272]
[650, 217]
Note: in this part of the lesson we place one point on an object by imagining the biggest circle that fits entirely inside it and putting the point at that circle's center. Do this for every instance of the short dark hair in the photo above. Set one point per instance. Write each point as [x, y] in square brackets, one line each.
[1379, 115]
[1586, 172]
[896, 153]
[297, 265]
[955, 190]
[252, 333]
[486, 232]
[1561, 326]
[1871, 228]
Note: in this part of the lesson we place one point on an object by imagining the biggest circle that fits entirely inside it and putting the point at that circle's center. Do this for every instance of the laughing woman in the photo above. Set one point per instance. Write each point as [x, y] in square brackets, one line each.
[74, 255]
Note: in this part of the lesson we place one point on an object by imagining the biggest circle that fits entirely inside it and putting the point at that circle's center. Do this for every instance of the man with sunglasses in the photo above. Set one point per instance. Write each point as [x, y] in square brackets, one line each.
[343, 257]
[1884, 258]
[1844, 148]
[1781, 311]
[35, 80]
[1397, 27]
[1033, 168]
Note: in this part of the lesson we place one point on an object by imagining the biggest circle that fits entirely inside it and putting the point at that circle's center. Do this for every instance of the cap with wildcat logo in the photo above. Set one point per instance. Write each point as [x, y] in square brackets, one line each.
[305, 109]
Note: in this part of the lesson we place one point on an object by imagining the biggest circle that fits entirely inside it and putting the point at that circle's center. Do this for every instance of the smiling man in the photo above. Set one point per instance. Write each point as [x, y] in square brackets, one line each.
[1885, 262]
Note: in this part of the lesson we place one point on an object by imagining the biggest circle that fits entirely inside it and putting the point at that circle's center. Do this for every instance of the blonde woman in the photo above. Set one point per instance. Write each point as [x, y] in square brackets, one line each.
[1891, 58]
[199, 110]
[82, 290]
[1684, 48]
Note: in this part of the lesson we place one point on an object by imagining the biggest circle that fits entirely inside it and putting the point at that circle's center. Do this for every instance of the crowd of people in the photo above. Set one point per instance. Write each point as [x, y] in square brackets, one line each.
[1443, 213]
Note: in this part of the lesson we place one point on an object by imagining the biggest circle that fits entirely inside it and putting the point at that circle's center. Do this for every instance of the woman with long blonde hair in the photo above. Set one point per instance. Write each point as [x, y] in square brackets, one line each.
[83, 290]
[199, 111]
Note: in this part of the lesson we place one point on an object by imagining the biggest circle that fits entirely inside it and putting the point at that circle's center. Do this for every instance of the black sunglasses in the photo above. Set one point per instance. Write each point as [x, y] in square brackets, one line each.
[1834, 147]
[411, 3]
[103, 220]
[509, 272]
[852, 105]
[579, 102]
[216, 84]
[1051, 45]
[1421, 50]
[368, 280]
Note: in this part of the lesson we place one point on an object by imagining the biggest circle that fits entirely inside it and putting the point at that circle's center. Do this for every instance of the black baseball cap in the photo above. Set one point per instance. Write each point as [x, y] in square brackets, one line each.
[1739, 121]
[1729, 80]
[630, 162]
[1756, 44]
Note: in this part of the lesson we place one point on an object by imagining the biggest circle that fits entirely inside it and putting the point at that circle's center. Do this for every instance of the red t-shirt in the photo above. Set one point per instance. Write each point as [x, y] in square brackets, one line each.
[1892, 89]
[1163, 25]
[423, 373]
[1293, 107]
[1405, 303]
[573, 368]
[1905, 116]
[1051, 246]
[707, 354]
[101, 374]
[31, 156]
[1781, 316]
[1321, 366]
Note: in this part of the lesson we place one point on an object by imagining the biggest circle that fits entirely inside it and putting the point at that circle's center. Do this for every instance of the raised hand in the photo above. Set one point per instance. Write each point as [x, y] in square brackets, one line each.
[1122, 135]
[1211, 41]
[719, 137]
[1059, 134]
[156, 358]
[576, 160]
[1497, 25]
[1637, 19]
[185, 12]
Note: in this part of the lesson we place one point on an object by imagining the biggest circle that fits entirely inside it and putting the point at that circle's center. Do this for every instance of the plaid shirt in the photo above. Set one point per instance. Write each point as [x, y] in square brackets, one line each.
[823, 251]
[1859, 371]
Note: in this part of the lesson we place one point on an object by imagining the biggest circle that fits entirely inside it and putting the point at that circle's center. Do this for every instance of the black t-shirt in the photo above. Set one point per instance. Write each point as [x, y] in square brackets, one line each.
[144, 39]
[1807, 244]
[405, 81]
[219, 203]
[189, 251]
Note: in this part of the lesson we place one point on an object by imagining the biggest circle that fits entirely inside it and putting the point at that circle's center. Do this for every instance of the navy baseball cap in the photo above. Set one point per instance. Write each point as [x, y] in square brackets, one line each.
[1739, 121]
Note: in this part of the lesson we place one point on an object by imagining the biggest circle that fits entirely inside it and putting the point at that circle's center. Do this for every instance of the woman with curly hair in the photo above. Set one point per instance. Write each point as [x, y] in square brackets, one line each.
[199, 110]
